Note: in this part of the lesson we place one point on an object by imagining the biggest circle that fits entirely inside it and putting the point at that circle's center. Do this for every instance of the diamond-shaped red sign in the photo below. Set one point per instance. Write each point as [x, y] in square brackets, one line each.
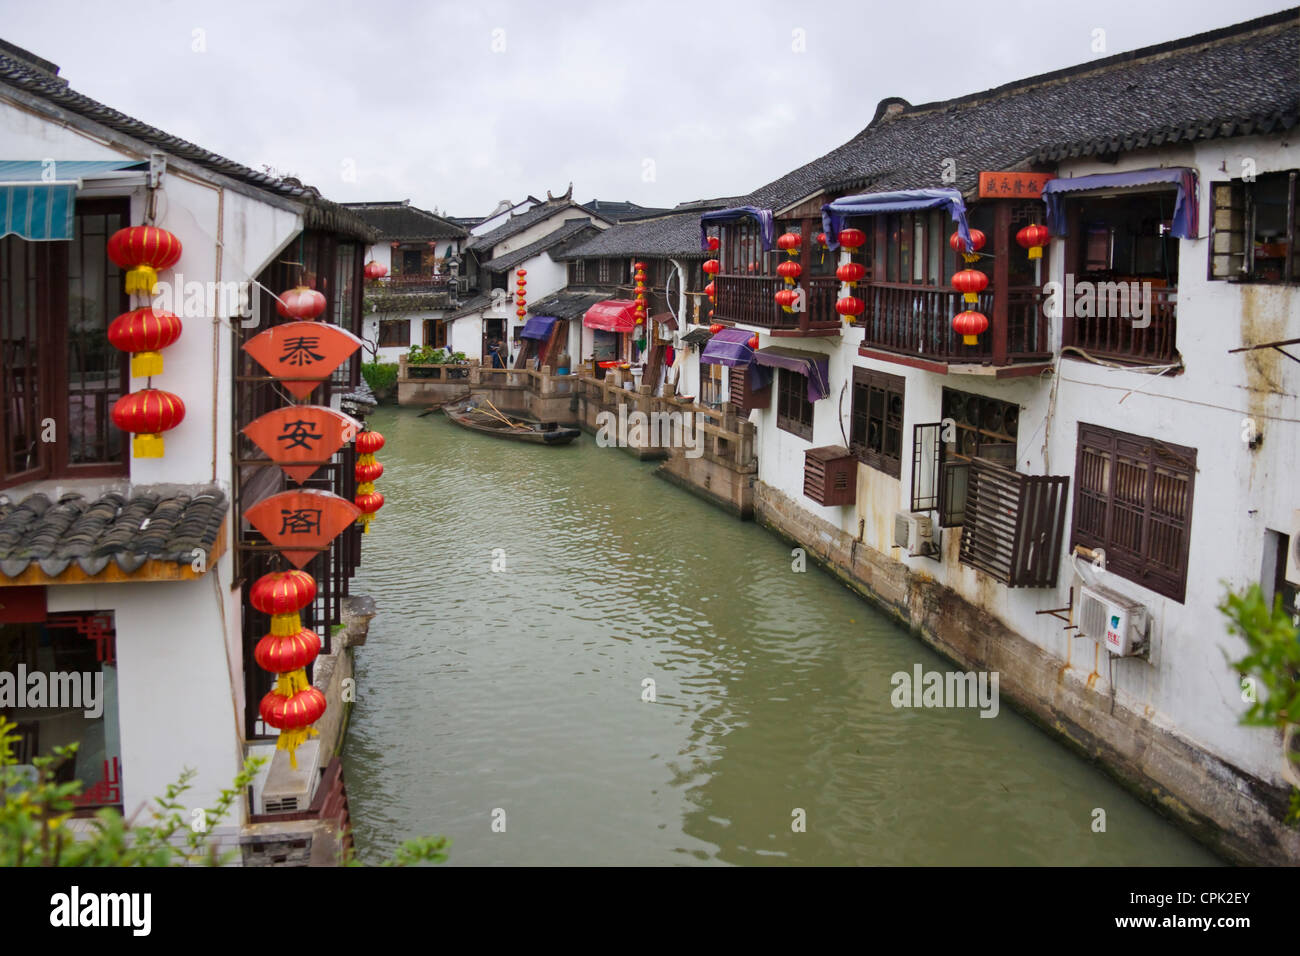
[301, 433]
[302, 354]
[302, 523]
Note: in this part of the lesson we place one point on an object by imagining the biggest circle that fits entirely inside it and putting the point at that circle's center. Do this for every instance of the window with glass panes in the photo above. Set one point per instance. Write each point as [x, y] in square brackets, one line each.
[794, 413]
[876, 422]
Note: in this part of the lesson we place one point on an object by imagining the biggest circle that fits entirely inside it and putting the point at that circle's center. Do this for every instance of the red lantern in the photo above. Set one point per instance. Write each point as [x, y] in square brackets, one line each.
[958, 244]
[282, 592]
[709, 291]
[293, 714]
[852, 239]
[786, 299]
[368, 442]
[790, 242]
[375, 270]
[1033, 238]
[850, 307]
[640, 266]
[370, 471]
[521, 272]
[143, 251]
[301, 303]
[143, 332]
[280, 655]
[369, 503]
[851, 273]
[969, 325]
[821, 240]
[715, 328]
[752, 342]
[712, 267]
[714, 243]
[971, 282]
[146, 414]
[789, 271]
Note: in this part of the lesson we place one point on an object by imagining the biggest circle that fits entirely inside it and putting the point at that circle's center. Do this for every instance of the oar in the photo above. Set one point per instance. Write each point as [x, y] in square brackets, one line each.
[502, 416]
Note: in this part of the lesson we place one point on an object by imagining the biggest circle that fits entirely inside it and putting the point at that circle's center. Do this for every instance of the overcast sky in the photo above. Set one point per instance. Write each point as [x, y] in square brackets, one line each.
[458, 105]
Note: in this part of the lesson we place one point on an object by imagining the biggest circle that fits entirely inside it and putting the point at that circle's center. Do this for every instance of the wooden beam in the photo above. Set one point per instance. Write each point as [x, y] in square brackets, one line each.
[112, 574]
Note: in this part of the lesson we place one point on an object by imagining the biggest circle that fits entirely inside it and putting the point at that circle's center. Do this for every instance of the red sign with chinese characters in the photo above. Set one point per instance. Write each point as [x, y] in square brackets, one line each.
[299, 438]
[302, 523]
[302, 354]
[1010, 185]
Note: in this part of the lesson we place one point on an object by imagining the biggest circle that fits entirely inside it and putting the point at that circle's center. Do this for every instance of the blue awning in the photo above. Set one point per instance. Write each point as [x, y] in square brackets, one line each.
[766, 225]
[1185, 217]
[729, 347]
[904, 200]
[38, 197]
[538, 327]
[815, 366]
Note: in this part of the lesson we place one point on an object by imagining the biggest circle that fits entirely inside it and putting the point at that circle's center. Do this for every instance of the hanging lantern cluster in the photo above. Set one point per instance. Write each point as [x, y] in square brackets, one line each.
[711, 268]
[143, 251]
[521, 296]
[791, 243]
[293, 705]
[639, 278]
[850, 274]
[958, 245]
[1033, 238]
[367, 471]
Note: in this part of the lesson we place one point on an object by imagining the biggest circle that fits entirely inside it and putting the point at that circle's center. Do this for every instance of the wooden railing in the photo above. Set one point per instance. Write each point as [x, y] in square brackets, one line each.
[413, 283]
[750, 300]
[917, 321]
[1150, 339]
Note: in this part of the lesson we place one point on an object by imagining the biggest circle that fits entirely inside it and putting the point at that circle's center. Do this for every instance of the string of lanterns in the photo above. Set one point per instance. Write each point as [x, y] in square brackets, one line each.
[521, 295]
[639, 278]
[143, 251]
[849, 274]
[292, 706]
[790, 271]
[969, 324]
[367, 471]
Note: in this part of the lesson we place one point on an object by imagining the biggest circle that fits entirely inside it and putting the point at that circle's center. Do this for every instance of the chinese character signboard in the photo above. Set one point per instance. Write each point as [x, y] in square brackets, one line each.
[301, 524]
[1013, 185]
[302, 354]
[300, 438]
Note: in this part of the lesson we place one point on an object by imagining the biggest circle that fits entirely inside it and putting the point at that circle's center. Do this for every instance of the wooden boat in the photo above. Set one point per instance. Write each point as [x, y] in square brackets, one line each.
[478, 414]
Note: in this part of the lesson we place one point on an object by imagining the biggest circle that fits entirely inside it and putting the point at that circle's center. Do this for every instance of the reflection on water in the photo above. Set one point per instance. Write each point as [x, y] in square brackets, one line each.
[522, 690]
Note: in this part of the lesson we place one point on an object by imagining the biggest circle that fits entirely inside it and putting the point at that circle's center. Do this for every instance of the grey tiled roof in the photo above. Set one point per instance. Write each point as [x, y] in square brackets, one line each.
[574, 230]
[567, 305]
[401, 220]
[128, 527]
[677, 236]
[471, 305]
[1225, 83]
[517, 224]
[620, 210]
[39, 78]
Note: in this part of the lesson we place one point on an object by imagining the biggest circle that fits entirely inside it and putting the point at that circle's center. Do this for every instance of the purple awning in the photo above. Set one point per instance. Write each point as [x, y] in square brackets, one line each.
[538, 327]
[729, 347]
[904, 200]
[815, 366]
[1186, 220]
[766, 225]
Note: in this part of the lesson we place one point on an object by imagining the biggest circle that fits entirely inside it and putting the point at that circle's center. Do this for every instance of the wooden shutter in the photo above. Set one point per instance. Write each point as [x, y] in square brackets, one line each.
[830, 475]
[954, 480]
[1014, 525]
[744, 396]
[1228, 250]
[925, 466]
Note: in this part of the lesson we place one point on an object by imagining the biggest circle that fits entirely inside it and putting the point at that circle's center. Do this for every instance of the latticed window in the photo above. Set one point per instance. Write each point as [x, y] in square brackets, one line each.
[794, 413]
[1134, 500]
[876, 432]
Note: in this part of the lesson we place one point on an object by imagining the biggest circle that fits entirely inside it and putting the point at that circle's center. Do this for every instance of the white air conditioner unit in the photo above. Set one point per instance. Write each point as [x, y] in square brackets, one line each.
[286, 790]
[1110, 618]
[915, 533]
[1293, 551]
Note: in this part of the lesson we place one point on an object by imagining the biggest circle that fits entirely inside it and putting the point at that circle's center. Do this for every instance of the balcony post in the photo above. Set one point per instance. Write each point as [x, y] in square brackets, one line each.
[1001, 278]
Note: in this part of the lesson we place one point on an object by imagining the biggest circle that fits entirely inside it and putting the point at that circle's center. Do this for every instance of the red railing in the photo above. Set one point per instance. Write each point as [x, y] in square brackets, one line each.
[1130, 337]
[751, 300]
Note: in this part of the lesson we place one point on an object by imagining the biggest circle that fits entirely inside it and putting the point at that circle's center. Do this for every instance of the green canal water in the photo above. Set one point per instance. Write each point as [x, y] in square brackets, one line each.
[515, 697]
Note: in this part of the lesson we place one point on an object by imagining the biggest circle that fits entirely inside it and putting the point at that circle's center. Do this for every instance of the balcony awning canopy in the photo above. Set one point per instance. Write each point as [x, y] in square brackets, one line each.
[815, 366]
[538, 327]
[612, 315]
[766, 224]
[729, 347]
[666, 319]
[696, 337]
[904, 200]
[38, 198]
[1185, 218]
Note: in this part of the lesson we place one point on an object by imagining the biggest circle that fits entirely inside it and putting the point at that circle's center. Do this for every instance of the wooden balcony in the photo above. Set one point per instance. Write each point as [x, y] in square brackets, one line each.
[1148, 341]
[413, 283]
[913, 326]
[749, 300]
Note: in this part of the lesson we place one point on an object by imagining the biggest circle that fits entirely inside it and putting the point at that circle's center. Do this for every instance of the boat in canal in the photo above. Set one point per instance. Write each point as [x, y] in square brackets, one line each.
[477, 413]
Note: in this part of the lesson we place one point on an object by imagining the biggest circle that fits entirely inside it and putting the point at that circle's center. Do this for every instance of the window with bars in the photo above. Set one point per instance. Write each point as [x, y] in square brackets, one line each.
[973, 427]
[1133, 499]
[794, 413]
[876, 421]
[60, 377]
[578, 272]
[1253, 229]
[742, 250]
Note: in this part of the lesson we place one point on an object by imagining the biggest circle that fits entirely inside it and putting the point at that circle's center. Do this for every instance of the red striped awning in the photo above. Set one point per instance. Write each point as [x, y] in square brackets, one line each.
[612, 315]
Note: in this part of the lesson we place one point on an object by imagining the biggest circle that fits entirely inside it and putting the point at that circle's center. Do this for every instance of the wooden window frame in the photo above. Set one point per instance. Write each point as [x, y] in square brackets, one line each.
[866, 383]
[1164, 573]
[794, 413]
[1235, 218]
[1014, 525]
[385, 341]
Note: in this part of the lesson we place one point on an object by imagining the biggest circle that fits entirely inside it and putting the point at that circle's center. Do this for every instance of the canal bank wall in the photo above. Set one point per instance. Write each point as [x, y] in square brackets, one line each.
[1233, 812]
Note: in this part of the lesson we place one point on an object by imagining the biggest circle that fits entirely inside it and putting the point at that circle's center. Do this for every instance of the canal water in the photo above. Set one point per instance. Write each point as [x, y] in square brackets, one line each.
[506, 709]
